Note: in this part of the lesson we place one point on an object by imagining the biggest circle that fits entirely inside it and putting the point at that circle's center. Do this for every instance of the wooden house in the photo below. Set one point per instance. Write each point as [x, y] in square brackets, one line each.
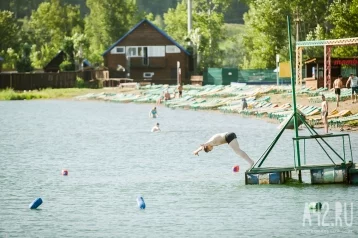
[54, 64]
[146, 53]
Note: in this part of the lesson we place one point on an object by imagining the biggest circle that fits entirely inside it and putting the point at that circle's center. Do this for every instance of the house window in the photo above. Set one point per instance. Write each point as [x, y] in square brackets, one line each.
[118, 50]
[148, 74]
[140, 51]
[156, 51]
[172, 49]
[132, 51]
[145, 56]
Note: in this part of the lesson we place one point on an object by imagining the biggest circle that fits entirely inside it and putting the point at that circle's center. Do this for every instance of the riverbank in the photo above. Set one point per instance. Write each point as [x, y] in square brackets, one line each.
[61, 93]
[270, 103]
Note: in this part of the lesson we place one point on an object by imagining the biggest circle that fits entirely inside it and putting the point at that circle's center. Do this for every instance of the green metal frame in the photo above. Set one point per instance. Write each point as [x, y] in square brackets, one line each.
[296, 115]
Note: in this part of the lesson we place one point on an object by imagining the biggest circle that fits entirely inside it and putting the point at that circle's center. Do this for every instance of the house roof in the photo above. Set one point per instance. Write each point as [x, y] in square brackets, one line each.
[54, 64]
[155, 27]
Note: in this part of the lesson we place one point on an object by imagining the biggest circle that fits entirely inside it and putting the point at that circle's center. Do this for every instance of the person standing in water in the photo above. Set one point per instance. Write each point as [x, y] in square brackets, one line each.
[153, 113]
[156, 128]
[223, 138]
[324, 113]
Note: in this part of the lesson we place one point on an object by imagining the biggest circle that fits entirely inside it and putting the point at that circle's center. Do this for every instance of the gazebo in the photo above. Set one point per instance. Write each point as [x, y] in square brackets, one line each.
[327, 61]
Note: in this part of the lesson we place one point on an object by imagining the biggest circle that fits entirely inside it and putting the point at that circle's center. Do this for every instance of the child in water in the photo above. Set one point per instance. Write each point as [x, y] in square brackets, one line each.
[153, 113]
[156, 128]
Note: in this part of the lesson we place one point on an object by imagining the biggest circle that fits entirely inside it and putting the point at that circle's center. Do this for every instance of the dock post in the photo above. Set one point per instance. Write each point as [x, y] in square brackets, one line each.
[295, 122]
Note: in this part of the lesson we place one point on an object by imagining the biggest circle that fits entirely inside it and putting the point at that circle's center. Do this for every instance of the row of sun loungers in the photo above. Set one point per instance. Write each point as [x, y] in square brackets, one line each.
[228, 99]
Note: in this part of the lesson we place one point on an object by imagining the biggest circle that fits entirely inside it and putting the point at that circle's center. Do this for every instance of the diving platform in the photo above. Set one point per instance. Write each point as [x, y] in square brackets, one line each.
[342, 172]
[319, 174]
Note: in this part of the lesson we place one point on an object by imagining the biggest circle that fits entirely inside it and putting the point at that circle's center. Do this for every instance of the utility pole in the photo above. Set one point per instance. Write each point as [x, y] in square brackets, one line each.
[190, 26]
[298, 21]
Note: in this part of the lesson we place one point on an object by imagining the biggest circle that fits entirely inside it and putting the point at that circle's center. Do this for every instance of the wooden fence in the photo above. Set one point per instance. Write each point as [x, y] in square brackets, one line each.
[31, 81]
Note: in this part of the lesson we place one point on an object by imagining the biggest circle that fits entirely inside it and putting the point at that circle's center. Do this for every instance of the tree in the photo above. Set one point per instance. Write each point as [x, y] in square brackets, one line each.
[51, 22]
[267, 27]
[11, 57]
[317, 34]
[43, 55]
[208, 20]
[24, 63]
[266, 33]
[47, 28]
[107, 22]
[343, 16]
[176, 22]
[9, 30]
[156, 7]
[69, 62]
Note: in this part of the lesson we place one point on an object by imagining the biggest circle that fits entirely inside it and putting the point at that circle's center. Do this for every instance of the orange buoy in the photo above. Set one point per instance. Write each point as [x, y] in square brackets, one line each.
[235, 169]
[64, 172]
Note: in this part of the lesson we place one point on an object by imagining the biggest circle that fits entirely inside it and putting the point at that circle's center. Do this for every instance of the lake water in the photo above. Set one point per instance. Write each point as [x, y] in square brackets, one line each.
[112, 157]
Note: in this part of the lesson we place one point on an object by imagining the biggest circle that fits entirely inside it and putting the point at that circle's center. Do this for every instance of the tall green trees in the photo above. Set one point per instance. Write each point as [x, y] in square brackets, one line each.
[208, 20]
[52, 21]
[107, 22]
[344, 19]
[267, 29]
[266, 32]
[9, 30]
[47, 28]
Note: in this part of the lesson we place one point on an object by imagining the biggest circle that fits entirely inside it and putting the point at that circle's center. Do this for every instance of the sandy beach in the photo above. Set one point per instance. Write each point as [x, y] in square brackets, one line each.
[267, 96]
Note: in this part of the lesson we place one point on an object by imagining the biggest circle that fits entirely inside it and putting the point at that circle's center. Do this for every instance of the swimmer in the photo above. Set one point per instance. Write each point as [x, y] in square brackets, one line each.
[153, 113]
[223, 138]
[156, 128]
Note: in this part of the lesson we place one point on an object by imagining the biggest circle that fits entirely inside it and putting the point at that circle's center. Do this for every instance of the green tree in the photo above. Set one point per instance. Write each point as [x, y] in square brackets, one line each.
[24, 63]
[51, 22]
[9, 30]
[176, 22]
[107, 22]
[156, 7]
[267, 27]
[40, 56]
[343, 16]
[317, 34]
[266, 33]
[10, 57]
[208, 21]
[68, 47]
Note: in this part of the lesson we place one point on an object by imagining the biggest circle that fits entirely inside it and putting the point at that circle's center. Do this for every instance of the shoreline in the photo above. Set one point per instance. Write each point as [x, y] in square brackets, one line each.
[149, 95]
[138, 95]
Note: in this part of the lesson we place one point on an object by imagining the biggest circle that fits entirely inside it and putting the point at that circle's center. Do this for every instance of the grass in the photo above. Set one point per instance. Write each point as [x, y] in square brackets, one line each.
[10, 94]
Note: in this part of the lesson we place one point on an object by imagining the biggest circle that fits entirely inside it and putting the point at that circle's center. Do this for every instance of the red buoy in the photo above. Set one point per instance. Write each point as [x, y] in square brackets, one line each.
[64, 172]
[235, 169]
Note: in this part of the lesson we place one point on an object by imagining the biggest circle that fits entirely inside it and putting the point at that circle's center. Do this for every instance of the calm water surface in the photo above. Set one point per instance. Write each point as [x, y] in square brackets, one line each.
[112, 158]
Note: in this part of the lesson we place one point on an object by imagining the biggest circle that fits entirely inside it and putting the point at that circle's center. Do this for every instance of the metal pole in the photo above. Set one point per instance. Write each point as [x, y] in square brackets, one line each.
[189, 16]
[295, 122]
[277, 69]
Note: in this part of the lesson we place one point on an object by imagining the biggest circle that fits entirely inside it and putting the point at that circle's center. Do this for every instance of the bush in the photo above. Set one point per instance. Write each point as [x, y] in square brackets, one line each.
[67, 66]
[80, 83]
[24, 65]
